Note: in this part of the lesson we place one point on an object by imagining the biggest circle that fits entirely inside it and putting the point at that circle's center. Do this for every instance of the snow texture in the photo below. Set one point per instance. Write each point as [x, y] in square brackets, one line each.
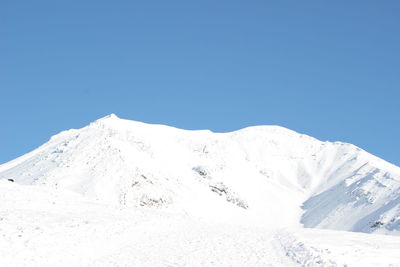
[125, 193]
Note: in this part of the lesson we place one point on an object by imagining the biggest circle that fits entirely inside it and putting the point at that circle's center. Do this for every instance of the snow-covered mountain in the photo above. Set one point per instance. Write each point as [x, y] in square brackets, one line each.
[264, 175]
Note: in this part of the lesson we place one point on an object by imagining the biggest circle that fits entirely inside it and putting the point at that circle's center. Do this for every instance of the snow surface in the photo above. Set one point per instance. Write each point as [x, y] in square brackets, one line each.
[125, 193]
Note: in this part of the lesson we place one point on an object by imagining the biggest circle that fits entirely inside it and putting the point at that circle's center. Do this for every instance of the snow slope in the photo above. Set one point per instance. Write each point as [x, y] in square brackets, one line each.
[42, 226]
[122, 183]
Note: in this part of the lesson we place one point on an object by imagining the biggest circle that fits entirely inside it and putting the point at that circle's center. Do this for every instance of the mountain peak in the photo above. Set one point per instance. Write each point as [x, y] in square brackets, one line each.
[111, 116]
[130, 163]
[110, 119]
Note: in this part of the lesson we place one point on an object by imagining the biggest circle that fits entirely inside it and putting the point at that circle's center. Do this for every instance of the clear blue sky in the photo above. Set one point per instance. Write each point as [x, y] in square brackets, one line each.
[330, 69]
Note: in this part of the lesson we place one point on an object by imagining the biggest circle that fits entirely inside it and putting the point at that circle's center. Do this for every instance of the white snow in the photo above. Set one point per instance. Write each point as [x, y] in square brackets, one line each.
[125, 193]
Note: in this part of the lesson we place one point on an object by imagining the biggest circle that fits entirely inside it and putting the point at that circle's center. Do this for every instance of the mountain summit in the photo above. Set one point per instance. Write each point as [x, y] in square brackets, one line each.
[264, 174]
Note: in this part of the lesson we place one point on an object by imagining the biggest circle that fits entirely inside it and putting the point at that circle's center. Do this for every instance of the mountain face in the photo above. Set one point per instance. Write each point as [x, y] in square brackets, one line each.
[264, 174]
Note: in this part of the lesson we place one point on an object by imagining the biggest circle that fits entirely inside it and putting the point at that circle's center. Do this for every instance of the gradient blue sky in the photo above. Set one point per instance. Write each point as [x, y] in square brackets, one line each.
[330, 69]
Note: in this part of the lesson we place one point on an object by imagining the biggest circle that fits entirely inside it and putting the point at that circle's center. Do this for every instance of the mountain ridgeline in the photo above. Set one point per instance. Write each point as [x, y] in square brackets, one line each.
[264, 174]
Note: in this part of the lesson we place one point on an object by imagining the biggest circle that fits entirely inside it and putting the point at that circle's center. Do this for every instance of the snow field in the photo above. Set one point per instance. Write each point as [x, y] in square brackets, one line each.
[125, 193]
